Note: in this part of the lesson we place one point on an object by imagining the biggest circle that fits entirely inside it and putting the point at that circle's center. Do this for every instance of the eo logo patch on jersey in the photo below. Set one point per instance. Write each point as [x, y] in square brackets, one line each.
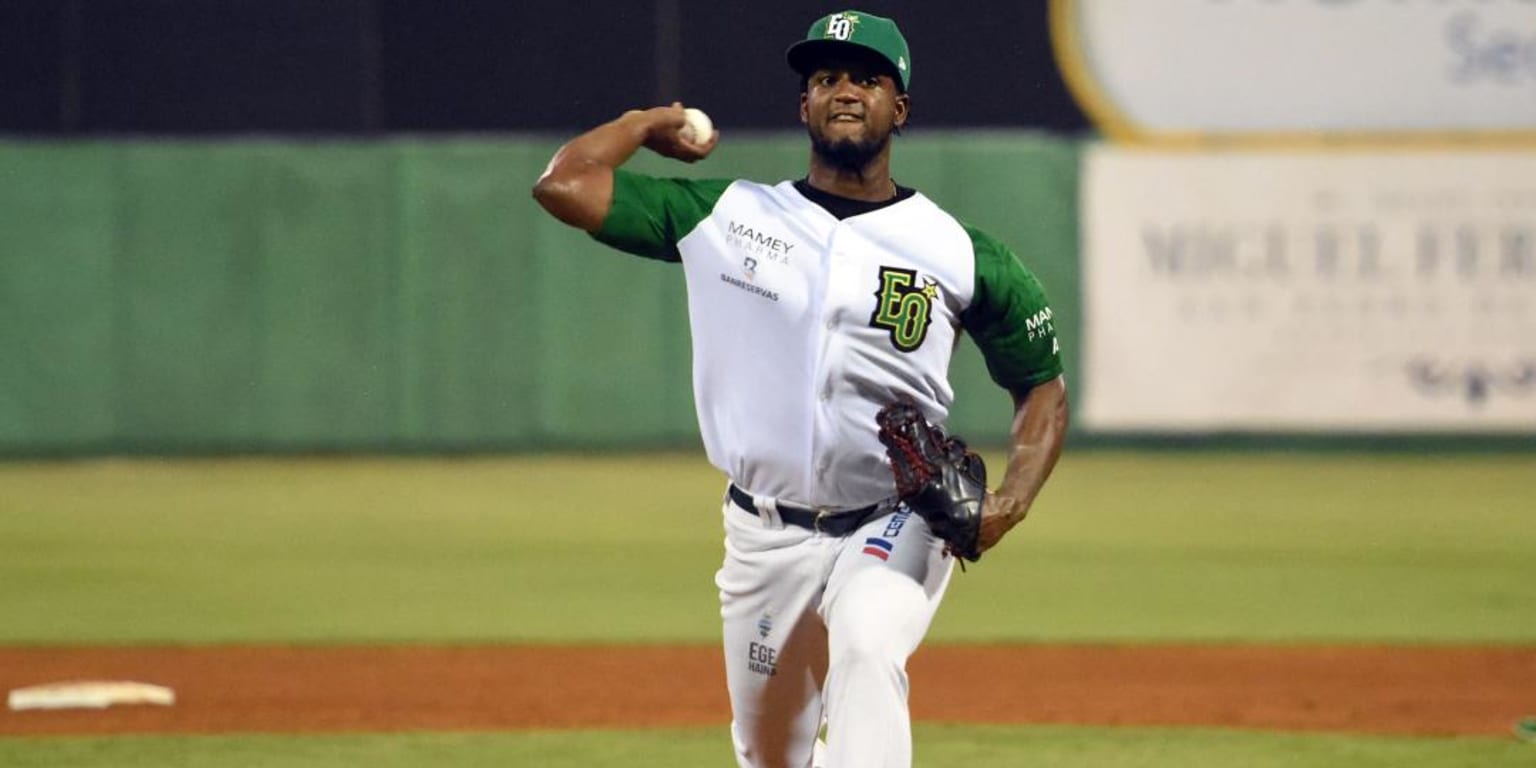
[903, 307]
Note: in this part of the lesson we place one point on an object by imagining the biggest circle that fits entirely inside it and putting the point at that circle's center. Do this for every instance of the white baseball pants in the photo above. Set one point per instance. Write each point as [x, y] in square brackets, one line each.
[820, 627]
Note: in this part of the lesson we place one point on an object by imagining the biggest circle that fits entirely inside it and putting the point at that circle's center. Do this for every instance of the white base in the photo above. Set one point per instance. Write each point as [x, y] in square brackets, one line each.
[89, 694]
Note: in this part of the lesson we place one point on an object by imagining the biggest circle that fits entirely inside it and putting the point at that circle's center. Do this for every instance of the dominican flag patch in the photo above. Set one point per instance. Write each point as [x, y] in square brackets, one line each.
[878, 547]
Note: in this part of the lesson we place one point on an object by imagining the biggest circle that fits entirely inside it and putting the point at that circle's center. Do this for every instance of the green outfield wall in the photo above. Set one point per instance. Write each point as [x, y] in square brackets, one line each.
[400, 295]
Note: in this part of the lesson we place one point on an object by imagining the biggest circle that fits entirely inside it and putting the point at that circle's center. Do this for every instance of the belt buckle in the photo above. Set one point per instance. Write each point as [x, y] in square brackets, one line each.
[821, 514]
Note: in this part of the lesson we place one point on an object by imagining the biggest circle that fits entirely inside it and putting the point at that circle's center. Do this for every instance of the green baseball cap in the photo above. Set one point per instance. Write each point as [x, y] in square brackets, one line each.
[852, 28]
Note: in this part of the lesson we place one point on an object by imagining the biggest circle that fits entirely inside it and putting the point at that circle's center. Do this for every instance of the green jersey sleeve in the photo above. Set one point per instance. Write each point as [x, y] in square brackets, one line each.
[1010, 318]
[649, 215]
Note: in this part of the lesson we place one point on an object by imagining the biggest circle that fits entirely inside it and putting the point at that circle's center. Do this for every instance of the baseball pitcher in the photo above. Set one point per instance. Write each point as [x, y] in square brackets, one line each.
[824, 311]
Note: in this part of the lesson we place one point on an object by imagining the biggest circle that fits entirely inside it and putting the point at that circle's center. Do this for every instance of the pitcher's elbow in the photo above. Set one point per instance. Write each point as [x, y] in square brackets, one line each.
[562, 198]
[550, 191]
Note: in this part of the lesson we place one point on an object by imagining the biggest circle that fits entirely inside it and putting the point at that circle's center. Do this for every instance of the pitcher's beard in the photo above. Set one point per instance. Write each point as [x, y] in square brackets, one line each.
[848, 154]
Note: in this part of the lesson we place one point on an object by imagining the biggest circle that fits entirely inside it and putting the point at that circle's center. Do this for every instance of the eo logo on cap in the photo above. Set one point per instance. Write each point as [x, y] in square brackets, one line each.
[840, 25]
[857, 30]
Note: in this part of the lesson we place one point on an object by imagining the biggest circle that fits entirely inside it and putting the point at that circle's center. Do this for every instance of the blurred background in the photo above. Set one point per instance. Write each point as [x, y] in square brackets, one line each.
[242, 227]
[370, 67]
[284, 226]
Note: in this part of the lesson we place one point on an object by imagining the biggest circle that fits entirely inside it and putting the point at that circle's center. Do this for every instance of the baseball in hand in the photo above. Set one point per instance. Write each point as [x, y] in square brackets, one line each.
[698, 128]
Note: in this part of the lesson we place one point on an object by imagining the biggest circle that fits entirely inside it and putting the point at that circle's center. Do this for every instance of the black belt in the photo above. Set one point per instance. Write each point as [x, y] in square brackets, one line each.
[839, 523]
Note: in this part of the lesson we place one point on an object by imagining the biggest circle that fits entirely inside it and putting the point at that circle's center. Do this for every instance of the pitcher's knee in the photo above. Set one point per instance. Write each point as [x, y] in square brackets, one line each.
[869, 656]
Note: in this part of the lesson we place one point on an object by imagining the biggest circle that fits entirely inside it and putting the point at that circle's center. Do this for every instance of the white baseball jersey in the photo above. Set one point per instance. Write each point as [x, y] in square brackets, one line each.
[803, 324]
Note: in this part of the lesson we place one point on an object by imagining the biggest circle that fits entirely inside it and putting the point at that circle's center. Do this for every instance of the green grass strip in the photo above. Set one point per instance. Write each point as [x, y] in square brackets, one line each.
[1122, 547]
[971, 746]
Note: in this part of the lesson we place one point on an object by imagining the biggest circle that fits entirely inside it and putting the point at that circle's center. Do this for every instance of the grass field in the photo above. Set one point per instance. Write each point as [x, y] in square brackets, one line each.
[982, 746]
[1124, 547]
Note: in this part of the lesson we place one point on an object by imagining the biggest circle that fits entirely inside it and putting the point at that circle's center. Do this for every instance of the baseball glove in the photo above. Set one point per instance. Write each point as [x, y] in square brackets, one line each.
[936, 475]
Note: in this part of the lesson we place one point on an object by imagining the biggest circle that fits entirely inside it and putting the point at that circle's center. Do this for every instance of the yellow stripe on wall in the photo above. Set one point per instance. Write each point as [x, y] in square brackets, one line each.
[1068, 48]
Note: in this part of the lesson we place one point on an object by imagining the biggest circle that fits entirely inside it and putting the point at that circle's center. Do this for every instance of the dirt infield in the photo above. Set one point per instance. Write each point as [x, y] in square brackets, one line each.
[1439, 691]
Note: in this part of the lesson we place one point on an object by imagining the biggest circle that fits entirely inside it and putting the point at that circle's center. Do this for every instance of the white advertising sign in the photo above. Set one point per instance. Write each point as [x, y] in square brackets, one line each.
[1367, 292]
[1175, 68]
